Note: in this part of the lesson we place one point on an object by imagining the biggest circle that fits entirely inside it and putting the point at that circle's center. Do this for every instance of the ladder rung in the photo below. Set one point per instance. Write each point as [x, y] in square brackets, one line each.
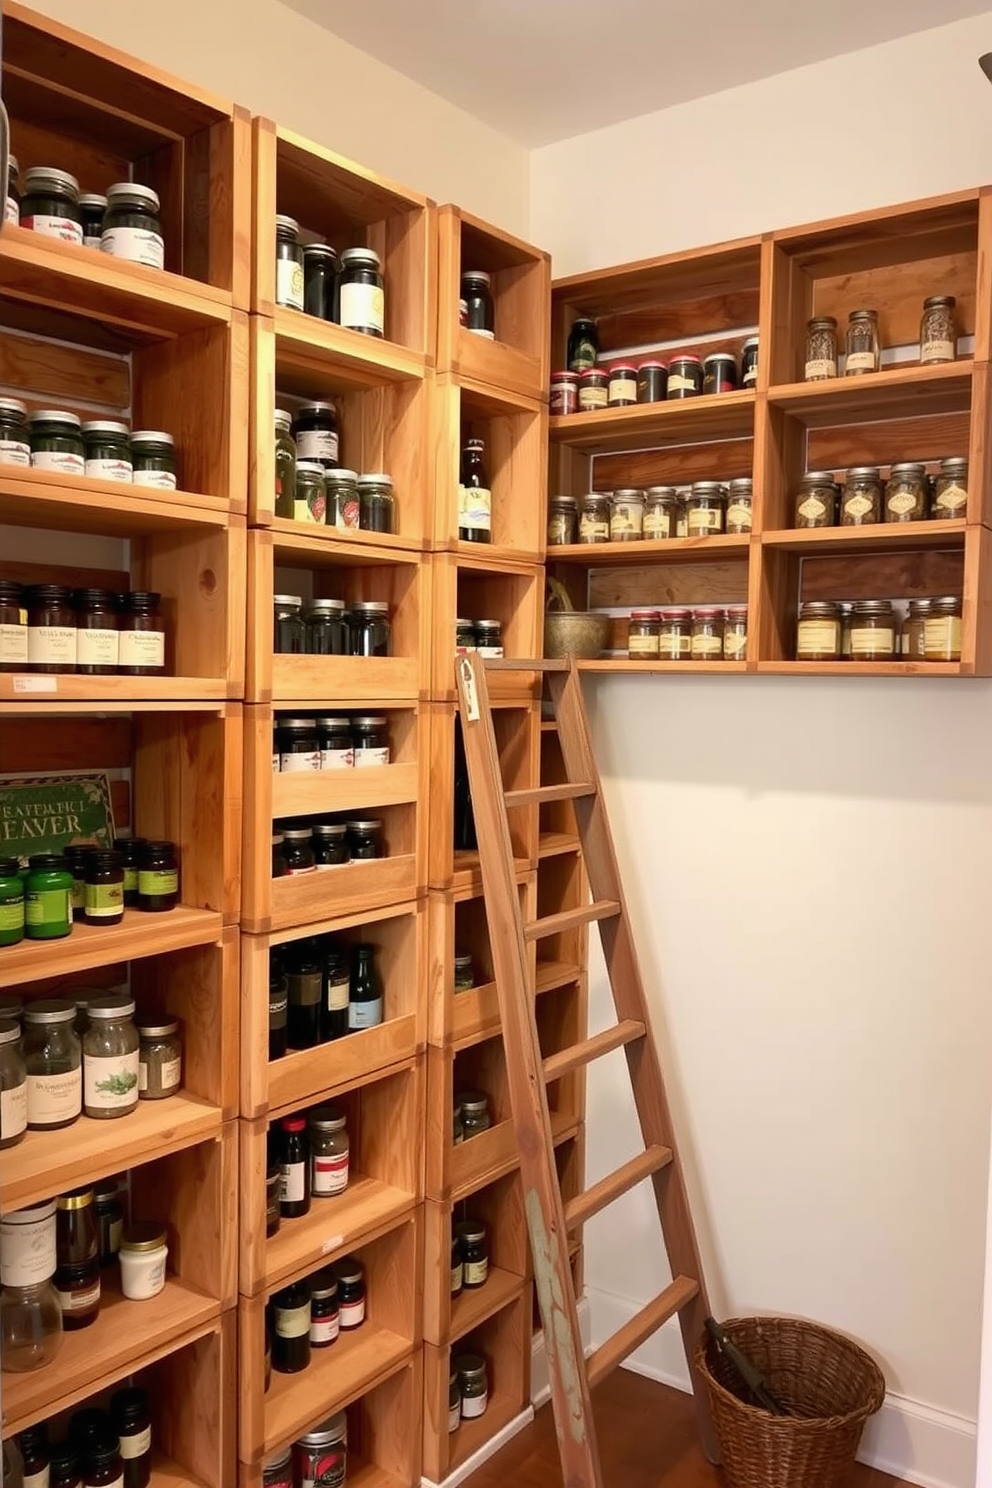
[578, 1055]
[614, 1184]
[571, 919]
[630, 1337]
[543, 794]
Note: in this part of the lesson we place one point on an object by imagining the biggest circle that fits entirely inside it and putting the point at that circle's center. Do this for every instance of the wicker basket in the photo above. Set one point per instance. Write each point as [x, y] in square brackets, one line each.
[830, 1383]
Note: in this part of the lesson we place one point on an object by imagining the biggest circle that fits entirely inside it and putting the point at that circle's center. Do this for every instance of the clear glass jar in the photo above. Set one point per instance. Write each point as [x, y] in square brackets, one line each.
[327, 632]
[938, 330]
[310, 503]
[911, 647]
[30, 1315]
[13, 1085]
[861, 502]
[289, 264]
[111, 1062]
[643, 635]
[706, 507]
[873, 630]
[53, 1059]
[369, 627]
[821, 349]
[474, 1107]
[160, 1060]
[906, 493]
[660, 512]
[675, 634]
[627, 515]
[289, 636]
[950, 501]
[464, 972]
[343, 506]
[563, 521]
[740, 498]
[707, 633]
[285, 492]
[594, 518]
[863, 350]
[329, 1151]
[377, 505]
[942, 630]
[818, 631]
[816, 500]
[735, 633]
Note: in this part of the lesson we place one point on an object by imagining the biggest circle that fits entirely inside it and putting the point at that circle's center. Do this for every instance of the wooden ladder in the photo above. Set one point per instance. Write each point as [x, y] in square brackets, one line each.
[550, 1221]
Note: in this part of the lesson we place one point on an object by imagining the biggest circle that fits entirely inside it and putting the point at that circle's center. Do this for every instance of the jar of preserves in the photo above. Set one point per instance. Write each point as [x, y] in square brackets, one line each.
[622, 388]
[365, 839]
[11, 904]
[735, 633]
[594, 518]
[685, 377]
[371, 739]
[320, 272]
[370, 628]
[821, 349]
[50, 204]
[285, 492]
[153, 459]
[861, 502]
[594, 390]
[563, 521]
[476, 310]
[103, 900]
[464, 972]
[110, 1057]
[740, 497]
[298, 850]
[906, 493]
[141, 643]
[310, 503]
[279, 865]
[675, 634]
[863, 350]
[97, 639]
[13, 628]
[92, 208]
[343, 507]
[351, 1291]
[327, 632]
[160, 1060]
[48, 897]
[583, 345]
[291, 1328]
[474, 1246]
[289, 264]
[12, 200]
[289, 636]
[325, 1324]
[564, 398]
[474, 1106]
[77, 1253]
[643, 635]
[627, 515]
[53, 1059]
[652, 382]
[720, 373]
[938, 330]
[361, 292]
[57, 441]
[816, 500]
[329, 1151]
[707, 633]
[706, 506]
[337, 749]
[911, 647]
[158, 877]
[131, 226]
[15, 441]
[749, 363]
[942, 630]
[107, 446]
[473, 1384]
[873, 631]
[13, 1085]
[320, 1457]
[818, 631]
[315, 430]
[660, 512]
[950, 501]
[377, 504]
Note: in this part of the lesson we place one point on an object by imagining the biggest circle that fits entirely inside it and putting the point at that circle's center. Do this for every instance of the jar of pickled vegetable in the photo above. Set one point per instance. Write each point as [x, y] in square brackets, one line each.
[285, 492]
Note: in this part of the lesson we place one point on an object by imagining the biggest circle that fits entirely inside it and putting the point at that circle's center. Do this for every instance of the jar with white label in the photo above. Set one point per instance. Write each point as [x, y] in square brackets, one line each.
[153, 459]
[107, 444]
[299, 745]
[594, 517]
[160, 1060]
[337, 746]
[371, 738]
[50, 204]
[873, 631]
[950, 501]
[660, 509]
[707, 633]
[942, 630]
[622, 389]
[289, 264]
[329, 1151]
[13, 1085]
[97, 632]
[30, 1315]
[473, 1383]
[13, 628]
[706, 507]
[110, 1057]
[53, 1060]
[351, 1292]
[15, 441]
[141, 643]
[51, 628]
[361, 292]
[938, 330]
[57, 441]
[131, 226]
[675, 634]
[132, 1422]
[143, 1255]
[863, 351]
[475, 1252]
[818, 631]
[821, 349]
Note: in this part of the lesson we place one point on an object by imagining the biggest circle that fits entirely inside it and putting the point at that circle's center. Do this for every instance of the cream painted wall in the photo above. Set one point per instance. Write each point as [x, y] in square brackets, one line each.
[275, 62]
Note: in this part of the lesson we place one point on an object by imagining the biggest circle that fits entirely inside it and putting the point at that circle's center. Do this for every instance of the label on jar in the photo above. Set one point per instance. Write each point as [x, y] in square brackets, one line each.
[558, 531]
[952, 498]
[54, 227]
[330, 1173]
[705, 521]
[352, 1314]
[170, 1074]
[104, 901]
[678, 382]
[593, 529]
[819, 368]
[454, 1415]
[861, 361]
[292, 764]
[158, 480]
[109, 470]
[97, 647]
[476, 1272]
[492, 653]
[867, 641]
[457, 1278]
[27, 1251]
[155, 881]
[14, 643]
[674, 647]
[937, 351]
[474, 1405]
[902, 503]
[52, 645]
[317, 444]
[475, 508]
[63, 462]
[53, 1099]
[136, 1445]
[311, 509]
[707, 646]
[812, 509]
[11, 212]
[622, 390]
[304, 988]
[324, 1330]
[13, 1111]
[338, 995]
[363, 307]
[94, 240]
[735, 645]
[81, 1299]
[144, 648]
[658, 524]
[337, 759]
[47, 907]
[36, 1479]
[366, 1014]
[739, 516]
[366, 757]
[289, 283]
[623, 525]
[642, 645]
[110, 1083]
[136, 244]
[942, 637]
[322, 1468]
[292, 1322]
[858, 506]
[592, 397]
[13, 452]
[293, 1183]
[564, 399]
[348, 515]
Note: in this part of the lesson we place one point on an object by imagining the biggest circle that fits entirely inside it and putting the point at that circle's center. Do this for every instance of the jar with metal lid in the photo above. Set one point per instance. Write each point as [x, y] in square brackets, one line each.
[315, 430]
[707, 633]
[337, 750]
[476, 310]
[327, 632]
[310, 503]
[12, 200]
[13, 1084]
[457, 1125]
[51, 628]
[821, 349]
[153, 459]
[660, 512]
[370, 629]
[863, 350]
[371, 738]
[594, 517]
[158, 877]
[97, 632]
[102, 1465]
[343, 505]
[682, 512]
[950, 501]
[298, 850]
[13, 628]
[740, 496]
[376, 503]
[285, 491]
[818, 631]
[652, 382]
[816, 500]
[685, 377]
[563, 521]
[675, 634]
[594, 390]
[141, 643]
[861, 502]
[15, 441]
[643, 635]
[706, 507]
[564, 396]
[77, 1253]
[473, 1384]
[749, 363]
[873, 631]
[329, 1151]
[131, 226]
[464, 635]
[583, 344]
[143, 1255]
[277, 1470]
[50, 204]
[320, 1457]
[464, 972]
[12, 1008]
[110, 1058]
[57, 441]
[489, 638]
[107, 446]
[911, 641]
[279, 866]
[627, 515]
[53, 1059]
[108, 1211]
[906, 493]
[11, 904]
[103, 899]
[324, 1318]
[351, 1291]
[160, 1060]
[361, 293]
[48, 897]
[942, 630]
[129, 1414]
[474, 1244]
[735, 633]
[938, 330]
[289, 263]
[92, 207]
[720, 372]
[289, 637]
[474, 1106]
[621, 390]
[320, 280]
[365, 839]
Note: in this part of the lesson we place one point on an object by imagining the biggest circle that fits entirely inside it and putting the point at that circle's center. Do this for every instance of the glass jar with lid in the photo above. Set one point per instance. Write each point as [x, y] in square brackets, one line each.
[627, 515]
[685, 377]
[464, 971]
[950, 501]
[873, 630]
[321, 1455]
[330, 844]
[343, 506]
[740, 498]
[621, 391]
[153, 458]
[735, 633]
[325, 1322]
[564, 396]
[11, 904]
[289, 263]
[369, 627]
[57, 441]
[97, 632]
[315, 430]
[720, 372]
[337, 746]
[329, 1151]
[821, 349]
[13, 628]
[132, 228]
[141, 644]
[371, 739]
[474, 1107]
[51, 628]
[77, 1254]
[13, 1085]
[50, 204]
[53, 1061]
[861, 502]
[476, 310]
[92, 208]
[103, 892]
[906, 493]
[289, 636]
[310, 503]
[643, 635]
[816, 500]
[143, 1255]
[938, 330]
[594, 390]
[707, 633]
[30, 1315]
[818, 631]
[660, 511]
[110, 1057]
[376, 503]
[351, 1291]
[48, 897]
[594, 517]
[911, 647]
[285, 492]
[365, 838]
[107, 446]
[320, 276]
[158, 876]
[160, 1059]
[474, 1247]
[675, 634]
[652, 382]
[298, 850]
[706, 506]
[563, 521]
[942, 630]
[863, 350]
[361, 292]
[327, 632]
[473, 1384]
[15, 441]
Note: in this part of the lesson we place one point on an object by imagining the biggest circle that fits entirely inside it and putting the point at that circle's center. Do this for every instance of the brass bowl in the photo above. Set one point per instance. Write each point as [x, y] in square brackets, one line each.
[575, 633]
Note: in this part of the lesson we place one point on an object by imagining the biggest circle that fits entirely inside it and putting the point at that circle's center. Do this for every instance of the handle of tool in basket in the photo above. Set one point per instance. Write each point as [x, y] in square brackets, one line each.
[753, 1379]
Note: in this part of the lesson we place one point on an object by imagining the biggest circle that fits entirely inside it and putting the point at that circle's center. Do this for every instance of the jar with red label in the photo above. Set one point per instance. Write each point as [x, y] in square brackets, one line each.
[320, 1457]
[594, 390]
[622, 388]
[329, 1148]
[564, 392]
[277, 1472]
[324, 1318]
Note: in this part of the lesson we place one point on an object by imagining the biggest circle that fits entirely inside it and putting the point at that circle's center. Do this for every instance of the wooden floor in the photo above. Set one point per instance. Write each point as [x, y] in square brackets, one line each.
[646, 1440]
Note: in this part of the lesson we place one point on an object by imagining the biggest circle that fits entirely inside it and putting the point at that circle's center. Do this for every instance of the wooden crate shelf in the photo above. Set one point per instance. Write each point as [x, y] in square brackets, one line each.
[517, 360]
[716, 416]
[896, 392]
[457, 924]
[41, 499]
[476, 588]
[500, 1207]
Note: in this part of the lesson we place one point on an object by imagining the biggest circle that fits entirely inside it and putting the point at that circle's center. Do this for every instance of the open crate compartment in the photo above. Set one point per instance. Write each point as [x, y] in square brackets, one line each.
[517, 730]
[187, 1190]
[458, 925]
[288, 564]
[357, 1362]
[499, 1206]
[191, 1393]
[399, 934]
[570, 1158]
[475, 588]
[558, 828]
[383, 416]
[561, 885]
[504, 1341]
[515, 431]
[517, 358]
[562, 1019]
[104, 116]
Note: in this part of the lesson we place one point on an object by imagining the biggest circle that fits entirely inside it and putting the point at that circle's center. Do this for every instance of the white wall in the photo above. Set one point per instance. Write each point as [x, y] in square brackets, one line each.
[826, 1024]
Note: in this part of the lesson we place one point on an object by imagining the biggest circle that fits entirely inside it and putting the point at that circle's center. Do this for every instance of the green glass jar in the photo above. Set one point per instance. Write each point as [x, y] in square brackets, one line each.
[153, 456]
[131, 225]
[285, 465]
[108, 450]
[310, 504]
[48, 907]
[57, 442]
[11, 903]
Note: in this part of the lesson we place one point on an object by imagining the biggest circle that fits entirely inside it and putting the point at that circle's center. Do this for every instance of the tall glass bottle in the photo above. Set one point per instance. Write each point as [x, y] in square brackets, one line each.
[365, 1006]
[475, 499]
[337, 992]
[465, 840]
[77, 1254]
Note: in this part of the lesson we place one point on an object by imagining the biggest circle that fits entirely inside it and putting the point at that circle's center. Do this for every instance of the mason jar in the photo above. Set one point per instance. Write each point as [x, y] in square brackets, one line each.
[818, 631]
[816, 500]
[950, 501]
[942, 630]
[906, 493]
[821, 349]
[873, 630]
[111, 1058]
[861, 502]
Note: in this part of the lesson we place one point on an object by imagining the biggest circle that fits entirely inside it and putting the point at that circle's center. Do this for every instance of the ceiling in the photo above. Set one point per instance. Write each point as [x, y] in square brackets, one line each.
[542, 70]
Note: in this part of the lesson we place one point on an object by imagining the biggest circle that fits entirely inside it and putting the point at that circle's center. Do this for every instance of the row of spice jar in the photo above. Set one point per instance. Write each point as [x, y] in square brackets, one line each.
[312, 487]
[92, 632]
[334, 1296]
[305, 847]
[938, 341]
[57, 440]
[308, 1158]
[66, 1058]
[625, 383]
[124, 223]
[875, 630]
[101, 1447]
[321, 990]
[330, 743]
[703, 633]
[630, 514]
[348, 291]
[42, 899]
[482, 637]
[864, 497]
[319, 1456]
[329, 629]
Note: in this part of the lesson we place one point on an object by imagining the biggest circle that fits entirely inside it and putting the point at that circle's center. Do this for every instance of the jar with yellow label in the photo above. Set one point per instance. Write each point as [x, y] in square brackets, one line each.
[861, 503]
[951, 495]
[846, 611]
[906, 493]
[735, 633]
[627, 515]
[816, 500]
[675, 634]
[740, 495]
[660, 512]
[705, 509]
[942, 630]
[818, 631]
[643, 635]
[911, 641]
[707, 633]
[873, 631]
[594, 518]
[682, 513]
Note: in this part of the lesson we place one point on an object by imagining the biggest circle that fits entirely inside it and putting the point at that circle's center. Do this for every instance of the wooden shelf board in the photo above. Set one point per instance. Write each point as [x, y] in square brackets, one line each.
[138, 934]
[474, 1016]
[687, 275]
[497, 553]
[343, 360]
[47, 1163]
[327, 679]
[310, 545]
[472, 1435]
[645, 425]
[335, 1226]
[308, 898]
[863, 668]
[126, 1336]
[554, 844]
[654, 551]
[341, 1064]
[357, 1362]
[467, 873]
[895, 392]
[877, 538]
[554, 974]
[370, 1475]
[308, 792]
[38, 498]
[168, 1474]
[60, 687]
[475, 1304]
[622, 664]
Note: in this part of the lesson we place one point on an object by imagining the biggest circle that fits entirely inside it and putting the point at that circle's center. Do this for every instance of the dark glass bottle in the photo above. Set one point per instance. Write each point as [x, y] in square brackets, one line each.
[304, 985]
[320, 275]
[583, 345]
[63, 1466]
[475, 498]
[129, 1413]
[336, 993]
[294, 1159]
[35, 1456]
[465, 840]
[77, 1256]
[108, 1211]
[365, 1004]
[102, 1465]
[278, 1005]
[291, 1328]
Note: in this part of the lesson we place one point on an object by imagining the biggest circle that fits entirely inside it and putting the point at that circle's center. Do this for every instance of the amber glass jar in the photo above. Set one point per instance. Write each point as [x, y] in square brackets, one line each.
[142, 635]
[912, 648]
[942, 630]
[643, 635]
[707, 633]
[51, 629]
[818, 631]
[77, 1250]
[873, 631]
[861, 503]
[675, 634]
[13, 628]
[97, 650]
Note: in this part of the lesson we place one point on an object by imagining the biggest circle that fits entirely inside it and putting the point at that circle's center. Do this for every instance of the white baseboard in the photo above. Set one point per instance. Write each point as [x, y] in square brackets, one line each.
[540, 1388]
[911, 1440]
[487, 1450]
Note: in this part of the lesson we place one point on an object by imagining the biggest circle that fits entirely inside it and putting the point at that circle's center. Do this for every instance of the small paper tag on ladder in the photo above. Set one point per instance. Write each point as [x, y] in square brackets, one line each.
[468, 684]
